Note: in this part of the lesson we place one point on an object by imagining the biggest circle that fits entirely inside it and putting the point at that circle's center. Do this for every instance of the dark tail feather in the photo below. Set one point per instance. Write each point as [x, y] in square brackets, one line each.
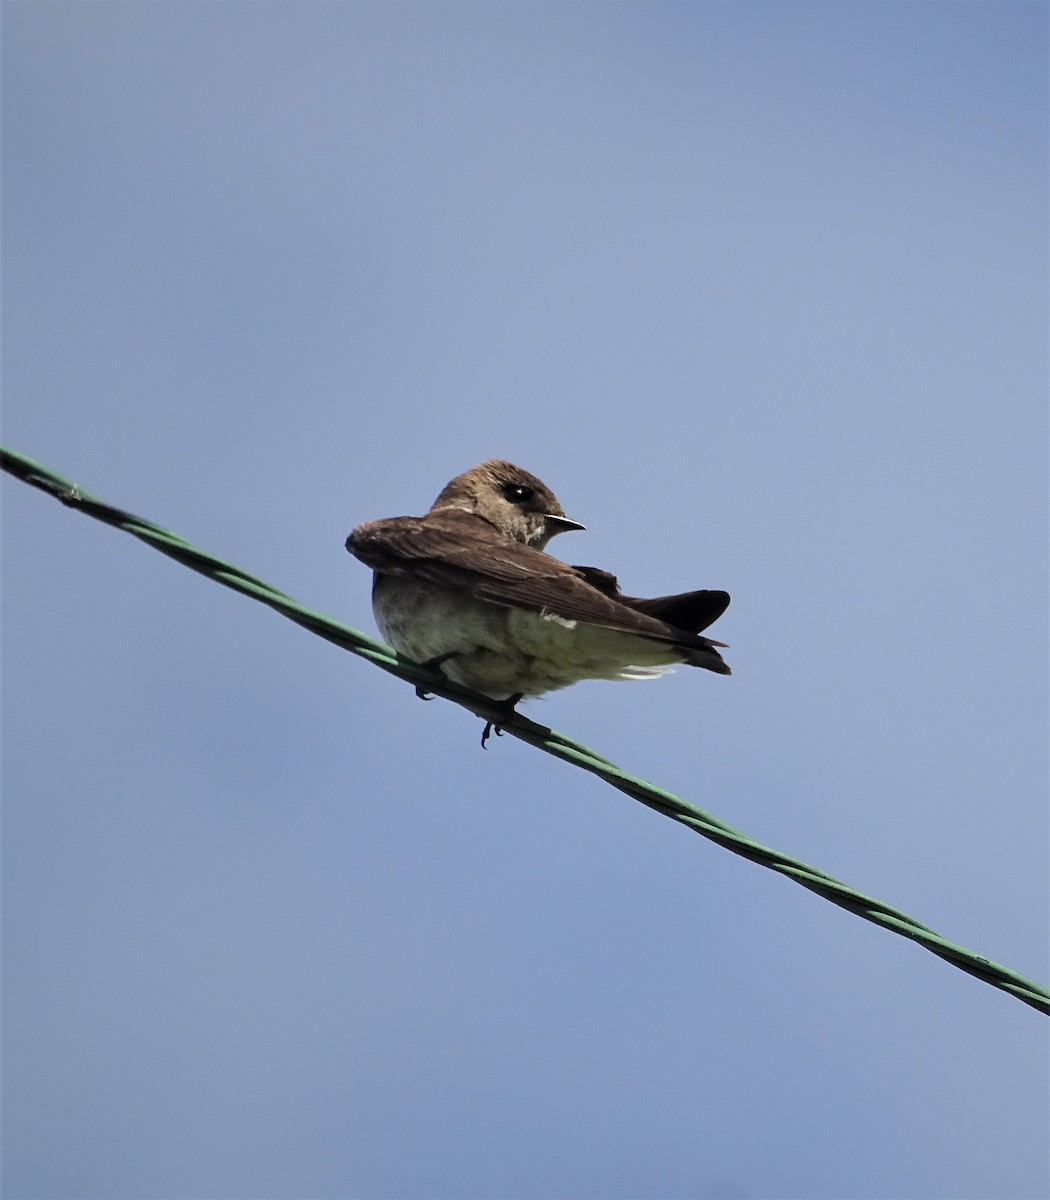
[690, 612]
[706, 655]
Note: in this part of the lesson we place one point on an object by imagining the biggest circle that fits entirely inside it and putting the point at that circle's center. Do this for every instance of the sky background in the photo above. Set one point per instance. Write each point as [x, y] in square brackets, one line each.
[760, 291]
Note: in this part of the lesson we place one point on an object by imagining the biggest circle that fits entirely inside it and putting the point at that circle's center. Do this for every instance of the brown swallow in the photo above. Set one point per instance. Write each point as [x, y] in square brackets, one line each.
[469, 590]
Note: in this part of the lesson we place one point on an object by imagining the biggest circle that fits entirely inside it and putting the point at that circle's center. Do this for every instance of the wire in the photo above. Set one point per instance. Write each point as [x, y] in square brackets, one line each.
[540, 736]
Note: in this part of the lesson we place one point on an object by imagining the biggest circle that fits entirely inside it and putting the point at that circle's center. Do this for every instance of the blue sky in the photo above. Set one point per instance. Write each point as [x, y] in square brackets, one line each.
[760, 290]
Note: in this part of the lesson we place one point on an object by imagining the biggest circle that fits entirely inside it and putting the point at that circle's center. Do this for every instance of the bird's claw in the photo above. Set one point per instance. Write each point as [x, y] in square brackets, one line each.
[433, 664]
[492, 727]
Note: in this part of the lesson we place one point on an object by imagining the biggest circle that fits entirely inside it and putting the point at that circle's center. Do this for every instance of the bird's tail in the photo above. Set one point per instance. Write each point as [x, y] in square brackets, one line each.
[704, 653]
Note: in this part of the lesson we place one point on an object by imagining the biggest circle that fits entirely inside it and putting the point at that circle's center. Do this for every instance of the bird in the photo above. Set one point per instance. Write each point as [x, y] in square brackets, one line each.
[470, 591]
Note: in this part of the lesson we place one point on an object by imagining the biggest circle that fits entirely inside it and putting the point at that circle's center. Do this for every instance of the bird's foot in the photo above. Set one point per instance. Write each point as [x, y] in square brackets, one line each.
[432, 664]
[491, 726]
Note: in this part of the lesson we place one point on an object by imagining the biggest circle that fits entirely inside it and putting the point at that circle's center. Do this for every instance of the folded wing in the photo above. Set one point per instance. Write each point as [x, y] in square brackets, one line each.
[459, 550]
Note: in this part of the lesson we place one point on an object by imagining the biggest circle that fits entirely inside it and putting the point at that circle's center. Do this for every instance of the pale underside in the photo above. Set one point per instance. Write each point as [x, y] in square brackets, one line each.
[503, 652]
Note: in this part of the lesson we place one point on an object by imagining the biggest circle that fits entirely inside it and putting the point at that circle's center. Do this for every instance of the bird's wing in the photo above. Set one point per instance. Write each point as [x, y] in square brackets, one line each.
[458, 550]
[691, 611]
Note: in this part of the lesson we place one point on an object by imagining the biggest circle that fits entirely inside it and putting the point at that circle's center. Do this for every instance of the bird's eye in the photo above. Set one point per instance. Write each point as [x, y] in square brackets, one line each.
[518, 493]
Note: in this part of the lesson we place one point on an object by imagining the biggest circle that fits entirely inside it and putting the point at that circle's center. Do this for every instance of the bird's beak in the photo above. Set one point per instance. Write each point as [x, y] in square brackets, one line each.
[556, 525]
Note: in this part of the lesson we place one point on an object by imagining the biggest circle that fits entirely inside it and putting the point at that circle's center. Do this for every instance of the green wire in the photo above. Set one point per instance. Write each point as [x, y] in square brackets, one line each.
[540, 736]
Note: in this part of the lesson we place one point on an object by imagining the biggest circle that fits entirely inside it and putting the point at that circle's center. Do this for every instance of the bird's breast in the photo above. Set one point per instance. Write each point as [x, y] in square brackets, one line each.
[504, 651]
